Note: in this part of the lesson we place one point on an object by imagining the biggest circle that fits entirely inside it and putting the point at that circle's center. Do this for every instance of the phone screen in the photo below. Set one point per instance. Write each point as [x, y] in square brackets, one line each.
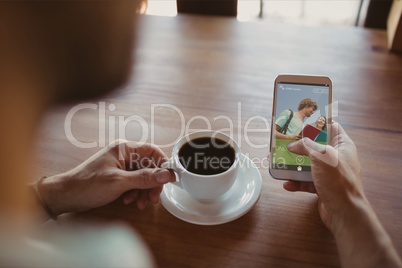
[300, 110]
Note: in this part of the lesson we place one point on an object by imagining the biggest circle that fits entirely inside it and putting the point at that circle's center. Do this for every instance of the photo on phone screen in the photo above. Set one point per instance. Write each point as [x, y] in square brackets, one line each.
[301, 109]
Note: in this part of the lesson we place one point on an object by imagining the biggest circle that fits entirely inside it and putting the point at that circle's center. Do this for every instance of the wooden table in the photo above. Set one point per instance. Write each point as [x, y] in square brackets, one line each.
[217, 67]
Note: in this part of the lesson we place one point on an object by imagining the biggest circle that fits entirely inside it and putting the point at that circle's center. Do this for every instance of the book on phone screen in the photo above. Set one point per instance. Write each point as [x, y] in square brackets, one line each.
[310, 131]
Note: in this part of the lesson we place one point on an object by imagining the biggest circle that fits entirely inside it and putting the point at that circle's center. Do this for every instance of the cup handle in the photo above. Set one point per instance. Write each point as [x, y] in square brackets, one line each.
[171, 165]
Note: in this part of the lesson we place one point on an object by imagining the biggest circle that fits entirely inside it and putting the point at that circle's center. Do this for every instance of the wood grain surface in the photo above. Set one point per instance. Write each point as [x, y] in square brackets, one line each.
[213, 67]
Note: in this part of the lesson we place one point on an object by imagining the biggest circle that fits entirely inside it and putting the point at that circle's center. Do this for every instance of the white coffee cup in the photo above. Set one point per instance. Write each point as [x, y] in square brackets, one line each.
[204, 188]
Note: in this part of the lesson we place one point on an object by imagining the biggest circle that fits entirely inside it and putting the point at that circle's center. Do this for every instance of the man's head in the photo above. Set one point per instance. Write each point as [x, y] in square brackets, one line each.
[80, 48]
[308, 106]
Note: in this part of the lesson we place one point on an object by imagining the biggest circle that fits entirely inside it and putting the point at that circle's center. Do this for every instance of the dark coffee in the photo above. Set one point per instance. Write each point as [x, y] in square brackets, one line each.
[207, 156]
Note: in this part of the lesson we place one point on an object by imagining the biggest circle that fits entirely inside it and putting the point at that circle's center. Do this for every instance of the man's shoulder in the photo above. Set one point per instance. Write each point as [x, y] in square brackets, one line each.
[286, 112]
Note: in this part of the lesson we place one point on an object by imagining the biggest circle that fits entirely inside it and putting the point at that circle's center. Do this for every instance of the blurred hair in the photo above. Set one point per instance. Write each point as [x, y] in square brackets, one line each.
[84, 47]
[307, 102]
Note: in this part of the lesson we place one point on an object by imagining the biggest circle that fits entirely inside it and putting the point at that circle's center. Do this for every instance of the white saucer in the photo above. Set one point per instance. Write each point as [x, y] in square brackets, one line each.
[242, 196]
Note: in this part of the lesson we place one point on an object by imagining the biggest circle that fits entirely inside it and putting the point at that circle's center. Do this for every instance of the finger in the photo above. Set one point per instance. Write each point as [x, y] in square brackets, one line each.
[338, 135]
[306, 146]
[337, 129]
[297, 147]
[141, 163]
[130, 196]
[148, 151]
[142, 200]
[145, 178]
[294, 186]
[154, 194]
[172, 175]
[325, 216]
[147, 163]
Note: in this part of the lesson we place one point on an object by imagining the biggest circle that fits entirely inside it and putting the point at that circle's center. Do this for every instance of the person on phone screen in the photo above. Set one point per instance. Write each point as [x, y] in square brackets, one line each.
[321, 123]
[68, 51]
[289, 124]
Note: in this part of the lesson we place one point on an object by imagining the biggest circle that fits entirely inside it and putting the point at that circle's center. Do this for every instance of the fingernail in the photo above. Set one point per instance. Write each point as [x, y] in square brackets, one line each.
[163, 176]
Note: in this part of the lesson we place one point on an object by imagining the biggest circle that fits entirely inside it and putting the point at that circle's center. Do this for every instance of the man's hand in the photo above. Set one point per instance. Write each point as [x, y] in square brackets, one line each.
[123, 168]
[335, 172]
[343, 207]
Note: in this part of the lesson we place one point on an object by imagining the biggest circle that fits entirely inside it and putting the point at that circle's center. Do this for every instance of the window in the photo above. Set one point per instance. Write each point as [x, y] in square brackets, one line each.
[338, 12]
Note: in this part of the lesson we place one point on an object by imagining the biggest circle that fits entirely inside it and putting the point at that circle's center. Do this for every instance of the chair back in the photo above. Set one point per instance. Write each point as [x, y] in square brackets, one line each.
[208, 7]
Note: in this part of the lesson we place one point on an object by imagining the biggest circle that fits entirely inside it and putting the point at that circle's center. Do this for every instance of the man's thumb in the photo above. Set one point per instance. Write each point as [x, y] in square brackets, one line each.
[305, 146]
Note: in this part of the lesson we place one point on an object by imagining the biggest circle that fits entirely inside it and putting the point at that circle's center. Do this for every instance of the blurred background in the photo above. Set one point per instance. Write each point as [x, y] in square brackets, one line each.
[304, 12]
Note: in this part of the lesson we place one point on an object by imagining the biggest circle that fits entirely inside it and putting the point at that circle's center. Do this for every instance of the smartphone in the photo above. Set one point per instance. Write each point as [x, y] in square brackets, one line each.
[301, 108]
